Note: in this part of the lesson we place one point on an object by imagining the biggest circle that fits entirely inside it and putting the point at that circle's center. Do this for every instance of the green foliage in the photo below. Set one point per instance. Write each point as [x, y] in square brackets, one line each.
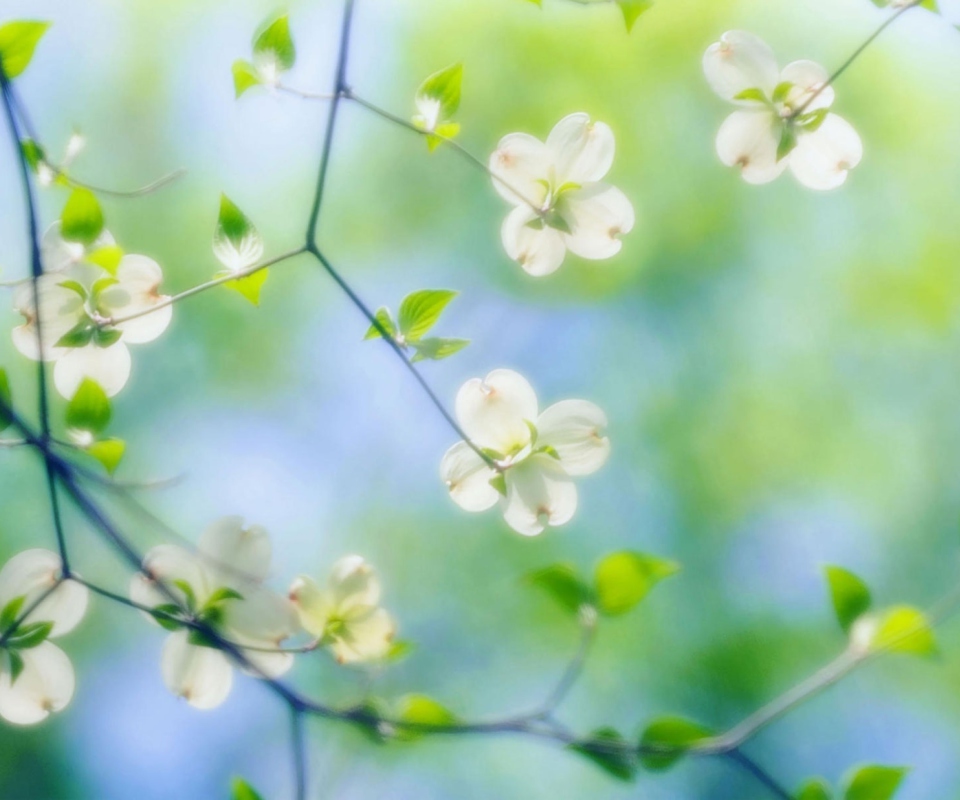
[399, 650]
[418, 709]
[814, 789]
[632, 9]
[438, 99]
[419, 312]
[874, 783]
[245, 76]
[33, 153]
[82, 217]
[10, 613]
[250, 286]
[849, 594]
[107, 257]
[241, 790]
[89, 410]
[751, 94]
[109, 452]
[624, 579]
[6, 401]
[672, 735]
[273, 42]
[29, 636]
[904, 629]
[562, 583]
[18, 40]
[238, 245]
[610, 751]
[16, 665]
[434, 348]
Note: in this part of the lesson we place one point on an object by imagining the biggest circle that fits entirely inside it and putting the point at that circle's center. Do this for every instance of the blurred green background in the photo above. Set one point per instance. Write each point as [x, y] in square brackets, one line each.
[780, 369]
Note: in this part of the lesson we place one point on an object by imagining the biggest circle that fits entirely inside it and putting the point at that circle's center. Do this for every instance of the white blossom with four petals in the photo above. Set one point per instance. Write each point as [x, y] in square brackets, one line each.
[46, 679]
[560, 202]
[538, 454]
[221, 584]
[345, 614]
[784, 118]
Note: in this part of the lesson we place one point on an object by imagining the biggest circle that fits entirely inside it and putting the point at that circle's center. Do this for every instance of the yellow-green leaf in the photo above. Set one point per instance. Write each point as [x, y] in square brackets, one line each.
[623, 579]
[18, 40]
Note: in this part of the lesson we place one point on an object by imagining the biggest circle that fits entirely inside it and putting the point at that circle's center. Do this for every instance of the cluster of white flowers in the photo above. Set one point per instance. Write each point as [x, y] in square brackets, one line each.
[220, 586]
[77, 297]
[784, 118]
[36, 677]
[537, 455]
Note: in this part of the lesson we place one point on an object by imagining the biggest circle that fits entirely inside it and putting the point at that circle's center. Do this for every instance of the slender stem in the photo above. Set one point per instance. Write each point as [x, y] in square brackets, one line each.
[304, 95]
[203, 287]
[588, 631]
[759, 774]
[338, 86]
[395, 346]
[13, 443]
[140, 191]
[299, 747]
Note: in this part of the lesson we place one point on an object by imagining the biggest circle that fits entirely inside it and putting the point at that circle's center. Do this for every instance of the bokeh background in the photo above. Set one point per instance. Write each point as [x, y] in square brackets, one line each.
[780, 369]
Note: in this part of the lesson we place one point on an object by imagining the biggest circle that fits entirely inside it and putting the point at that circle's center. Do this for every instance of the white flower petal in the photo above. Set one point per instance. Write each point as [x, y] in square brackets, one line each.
[136, 291]
[822, 159]
[494, 412]
[261, 616]
[365, 639]
[200, 675]
[169, 563]
[539, 493]
[950, 10]
[740, 61]
[467, 477]
[57, 254]
[31, 573]
[312, 603]
[749, 140]
[61, 310]
[353, 583]
[808, 77]
[241, 552]
[264, 664]
[598, 215]
[45, 685]
[582, 151]
[109, 367]
[539, 249]
[575, 429]
[520, 165]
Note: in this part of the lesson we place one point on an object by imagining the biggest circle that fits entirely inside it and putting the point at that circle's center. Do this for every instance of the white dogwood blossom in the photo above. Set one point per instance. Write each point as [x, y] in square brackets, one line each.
[345, 614]
[221, 586]
[560, 202]
[36, 677]
[537, 454]
[784, 119]
[77, 299]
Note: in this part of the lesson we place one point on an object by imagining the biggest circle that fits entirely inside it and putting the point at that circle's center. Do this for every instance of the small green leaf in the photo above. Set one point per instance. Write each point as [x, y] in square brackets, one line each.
[874, 783]
[79, 336]
[30, 636]
[33, 153]
[89, 410]
[562, 583]
[850, 595]
[751, 94]
[245, 76]
[107, 257]
[903, 629]
[419, 709]
[104, 337]
[386, 321]
[440, 91]
[18, 40]
[274, 43]
[163, 613]
[788, 141]
[632, 9]
[672, 735]
[814, 789]
[609, 750]
[16, 665]
[241, 790]
[222, 595]
[250, 286]
[82, 217]
[434, 348]
[190, 596]
[10, 613]
[6, 401]
[109, 452]
[624, 579]
[399, 650]
[237, 243]
[499, 482]
[419, 311]
[812, 120]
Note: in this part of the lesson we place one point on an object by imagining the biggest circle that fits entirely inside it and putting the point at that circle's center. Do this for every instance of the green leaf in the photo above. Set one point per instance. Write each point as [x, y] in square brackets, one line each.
[104, 337]
[674, 735]
[250, 286]
[222, 595]
[903, 629]
[80, 335]
[33, 153]
[874, 783]
[30, 636]
[6, 401]
[422, 710]
[241, 790]
[812, 120]
[623, 579]
[788, 141]
[384, 318]
[16, 665]
[561, 582]
[499, 482]
[632, 9]
[814, 789]
[850, 595]
[781, 91]
[609, 751]
[18, 40]
[163, 613]
[442, 88]
[82, 217]
[434, 349]
[237, 243]
[419, 311]
[10, 613]
[107, 257]
[274, 42]
[190, 596]
[399, 650]
[89, 410]
[751, 94]
[109, 452]
[245, 76]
